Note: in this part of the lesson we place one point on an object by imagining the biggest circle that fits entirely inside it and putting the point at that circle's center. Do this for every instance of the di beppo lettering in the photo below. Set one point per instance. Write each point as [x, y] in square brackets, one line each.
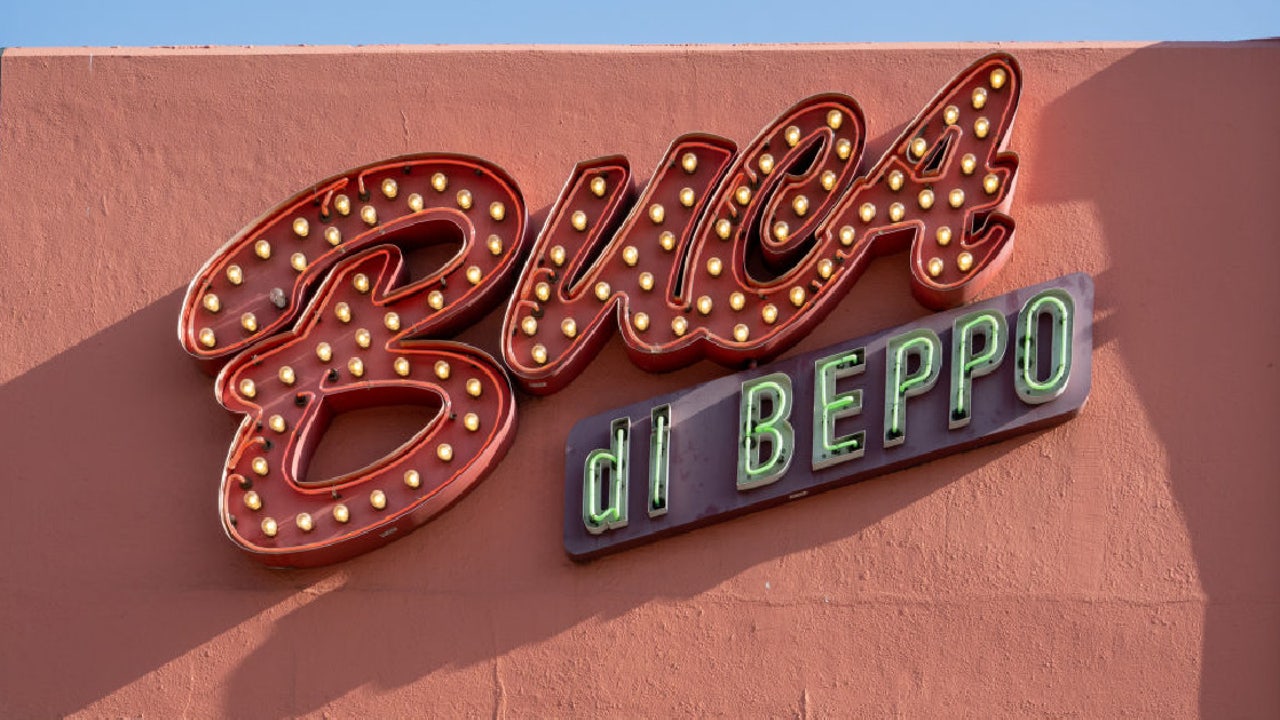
[868, 406]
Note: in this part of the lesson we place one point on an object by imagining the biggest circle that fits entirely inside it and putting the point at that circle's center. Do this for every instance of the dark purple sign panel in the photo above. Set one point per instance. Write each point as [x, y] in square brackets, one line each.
[861, 408]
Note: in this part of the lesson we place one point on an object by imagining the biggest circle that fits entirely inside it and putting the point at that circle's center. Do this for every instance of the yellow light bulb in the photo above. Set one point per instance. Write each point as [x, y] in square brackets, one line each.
[252, 500]
[797, 296]
[800, 205]
[402, 367]
[769, 313]
[689, 162]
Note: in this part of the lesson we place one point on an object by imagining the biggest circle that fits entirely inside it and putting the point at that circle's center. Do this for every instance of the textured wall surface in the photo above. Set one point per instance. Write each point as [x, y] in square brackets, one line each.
[1122, 564]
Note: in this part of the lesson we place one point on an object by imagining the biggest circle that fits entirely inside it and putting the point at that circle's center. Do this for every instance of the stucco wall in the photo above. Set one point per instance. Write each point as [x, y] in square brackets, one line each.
[1121, 564]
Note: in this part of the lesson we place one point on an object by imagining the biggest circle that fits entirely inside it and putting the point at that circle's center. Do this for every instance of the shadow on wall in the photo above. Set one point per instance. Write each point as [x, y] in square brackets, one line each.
[118, 566]
[1193, 297]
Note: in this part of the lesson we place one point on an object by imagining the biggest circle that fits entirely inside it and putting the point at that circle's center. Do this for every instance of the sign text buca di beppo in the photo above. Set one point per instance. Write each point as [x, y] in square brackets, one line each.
[725, 253]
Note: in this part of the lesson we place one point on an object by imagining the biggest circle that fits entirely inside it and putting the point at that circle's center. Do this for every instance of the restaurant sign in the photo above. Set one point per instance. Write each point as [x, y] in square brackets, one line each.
[848, 412]
[724, 253]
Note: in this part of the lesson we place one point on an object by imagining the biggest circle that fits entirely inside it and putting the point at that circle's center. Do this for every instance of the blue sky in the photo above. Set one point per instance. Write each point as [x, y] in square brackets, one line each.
[49, 23]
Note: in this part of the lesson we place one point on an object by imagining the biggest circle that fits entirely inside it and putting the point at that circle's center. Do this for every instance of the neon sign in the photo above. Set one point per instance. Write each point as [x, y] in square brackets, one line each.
[728, 255]
[831, 417]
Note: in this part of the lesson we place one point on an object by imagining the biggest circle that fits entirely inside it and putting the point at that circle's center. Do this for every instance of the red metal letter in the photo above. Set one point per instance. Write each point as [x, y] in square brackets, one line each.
[300, 359]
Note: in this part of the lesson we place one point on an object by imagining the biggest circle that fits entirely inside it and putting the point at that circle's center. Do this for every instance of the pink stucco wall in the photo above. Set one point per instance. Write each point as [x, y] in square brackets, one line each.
[1123, 564]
